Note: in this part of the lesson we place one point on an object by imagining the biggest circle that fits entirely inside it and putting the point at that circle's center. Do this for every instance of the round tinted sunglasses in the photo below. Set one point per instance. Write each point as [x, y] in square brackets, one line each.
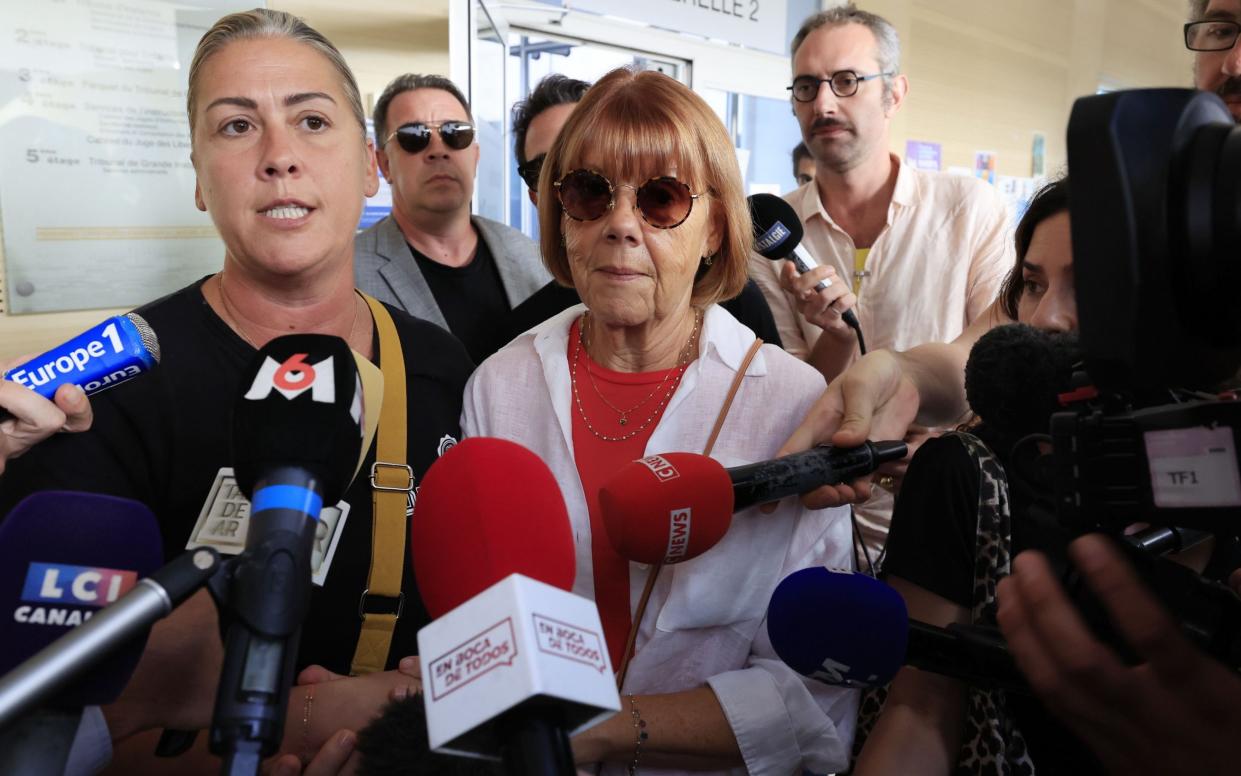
[415, 137]
[664, 202]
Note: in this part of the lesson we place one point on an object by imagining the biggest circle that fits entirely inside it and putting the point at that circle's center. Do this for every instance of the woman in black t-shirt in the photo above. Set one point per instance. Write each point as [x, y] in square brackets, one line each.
[950, 542]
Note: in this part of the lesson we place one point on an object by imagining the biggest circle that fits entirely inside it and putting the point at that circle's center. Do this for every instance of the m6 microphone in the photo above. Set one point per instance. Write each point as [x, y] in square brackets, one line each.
[63, 556]
[514, 663]
[672, 507]
[112, 352]
[848, 629]
[297, 432]
[778, 234]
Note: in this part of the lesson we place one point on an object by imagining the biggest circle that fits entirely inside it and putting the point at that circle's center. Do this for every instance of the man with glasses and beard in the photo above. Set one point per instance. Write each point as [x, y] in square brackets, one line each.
[1212, 35]
[430, 256]
[920, 254]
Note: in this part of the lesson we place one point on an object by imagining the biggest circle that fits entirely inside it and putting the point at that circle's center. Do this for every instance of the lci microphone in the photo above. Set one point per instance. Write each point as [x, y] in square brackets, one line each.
[778, 234]
[515, 663]
[671, 507]
[63, 557]
[297, 432]
[108, 354]
[848, 629]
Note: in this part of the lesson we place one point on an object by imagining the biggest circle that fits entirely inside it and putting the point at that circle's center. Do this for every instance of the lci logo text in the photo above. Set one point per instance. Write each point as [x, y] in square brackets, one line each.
[60, 583]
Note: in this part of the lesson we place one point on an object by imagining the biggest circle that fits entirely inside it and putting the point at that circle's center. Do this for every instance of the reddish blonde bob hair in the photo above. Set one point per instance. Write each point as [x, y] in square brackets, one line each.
[636, 125]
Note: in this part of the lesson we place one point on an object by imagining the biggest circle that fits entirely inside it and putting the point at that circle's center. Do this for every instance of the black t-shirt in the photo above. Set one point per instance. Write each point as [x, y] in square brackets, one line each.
[749, 307]
[931, 544]
[471, 298]
[163, 437]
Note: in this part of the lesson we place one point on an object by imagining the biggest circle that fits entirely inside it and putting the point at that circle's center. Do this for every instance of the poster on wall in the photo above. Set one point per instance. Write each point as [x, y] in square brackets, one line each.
[922, 155]
[96, 186]
[984, 165]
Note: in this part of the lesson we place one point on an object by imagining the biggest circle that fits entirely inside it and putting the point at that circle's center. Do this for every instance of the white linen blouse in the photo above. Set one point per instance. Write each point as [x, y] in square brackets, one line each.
[706, 618]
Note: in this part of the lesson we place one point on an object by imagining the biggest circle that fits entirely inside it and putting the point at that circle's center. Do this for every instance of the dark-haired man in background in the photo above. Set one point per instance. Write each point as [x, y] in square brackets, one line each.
[430, 256]
[803, 164]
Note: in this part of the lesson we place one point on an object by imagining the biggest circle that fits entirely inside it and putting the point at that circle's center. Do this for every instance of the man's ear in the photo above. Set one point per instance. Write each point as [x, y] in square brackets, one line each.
[372, 171]
[381, 157]
[896, 98]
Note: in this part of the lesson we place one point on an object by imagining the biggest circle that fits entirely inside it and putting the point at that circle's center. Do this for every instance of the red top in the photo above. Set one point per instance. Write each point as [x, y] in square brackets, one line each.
[641, 394]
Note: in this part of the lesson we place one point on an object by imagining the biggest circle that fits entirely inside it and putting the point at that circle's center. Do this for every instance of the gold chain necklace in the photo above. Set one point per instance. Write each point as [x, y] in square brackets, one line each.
[683, 362]
[235, 323]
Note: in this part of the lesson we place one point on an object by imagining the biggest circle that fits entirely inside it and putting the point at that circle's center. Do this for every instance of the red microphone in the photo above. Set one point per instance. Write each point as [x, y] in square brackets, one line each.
[667, 508]
[486, 509]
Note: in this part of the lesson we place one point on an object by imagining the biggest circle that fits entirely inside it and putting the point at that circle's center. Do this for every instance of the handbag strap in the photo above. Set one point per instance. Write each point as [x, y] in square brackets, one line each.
[392, 482]
[650, 580]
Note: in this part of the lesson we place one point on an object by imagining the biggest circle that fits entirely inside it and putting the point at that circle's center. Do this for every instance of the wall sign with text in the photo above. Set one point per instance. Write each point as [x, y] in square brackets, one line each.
[758, 24]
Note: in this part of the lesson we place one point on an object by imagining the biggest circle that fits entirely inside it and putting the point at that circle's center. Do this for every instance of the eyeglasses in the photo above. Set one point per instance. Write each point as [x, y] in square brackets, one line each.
[664, 202]
[415, 137]
[1211, 35]
[529, 171]
[844, 83]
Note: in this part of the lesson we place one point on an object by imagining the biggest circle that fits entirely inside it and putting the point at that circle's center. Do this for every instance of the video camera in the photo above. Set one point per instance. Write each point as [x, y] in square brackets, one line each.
[1149, 436]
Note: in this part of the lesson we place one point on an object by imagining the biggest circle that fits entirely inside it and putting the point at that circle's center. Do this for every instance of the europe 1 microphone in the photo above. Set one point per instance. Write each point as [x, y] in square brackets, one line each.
[778, 233]
[514, 662]
[671, 507]
[297, 435]
[120, 348]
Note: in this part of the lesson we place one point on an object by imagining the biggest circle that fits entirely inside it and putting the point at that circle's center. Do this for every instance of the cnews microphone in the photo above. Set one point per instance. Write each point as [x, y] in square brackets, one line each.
[848, 629]
[110, 353]
[63, 556]
[297, 430]
[515, 663]
[778, 234]
[672, 507]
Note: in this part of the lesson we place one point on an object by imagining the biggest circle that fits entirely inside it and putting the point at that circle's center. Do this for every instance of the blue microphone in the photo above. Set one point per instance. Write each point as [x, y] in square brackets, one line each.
[847, 629]
[112, 352]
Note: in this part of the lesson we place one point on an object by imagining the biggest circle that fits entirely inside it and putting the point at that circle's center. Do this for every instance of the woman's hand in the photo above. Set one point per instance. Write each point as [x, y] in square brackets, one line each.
[824, 308]
[35, 418]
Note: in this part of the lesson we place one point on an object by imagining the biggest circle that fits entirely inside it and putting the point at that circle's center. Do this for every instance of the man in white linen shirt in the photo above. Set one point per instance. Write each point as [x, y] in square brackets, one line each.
[923, 252]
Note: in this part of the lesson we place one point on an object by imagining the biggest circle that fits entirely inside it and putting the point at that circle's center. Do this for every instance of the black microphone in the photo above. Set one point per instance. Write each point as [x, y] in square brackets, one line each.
[778, 234]
[297, 435]
[759, 483]
[1014, 376]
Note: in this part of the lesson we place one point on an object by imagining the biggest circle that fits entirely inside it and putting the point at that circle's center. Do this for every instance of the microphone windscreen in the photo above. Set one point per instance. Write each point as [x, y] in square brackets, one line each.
[64, 556]
[667, 508]
[1015, 374]
[777, 229]
[840, 627]
[300, 406]
[486, 509]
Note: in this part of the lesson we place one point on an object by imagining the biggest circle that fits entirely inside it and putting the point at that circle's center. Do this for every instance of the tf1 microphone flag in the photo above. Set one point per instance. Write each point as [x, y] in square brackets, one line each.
[675, 506]
[63, 557]
[514, 661]
[112, 352]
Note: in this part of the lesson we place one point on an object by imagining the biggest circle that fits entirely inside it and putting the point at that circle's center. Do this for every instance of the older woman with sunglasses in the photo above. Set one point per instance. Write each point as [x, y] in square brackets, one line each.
[641, 210]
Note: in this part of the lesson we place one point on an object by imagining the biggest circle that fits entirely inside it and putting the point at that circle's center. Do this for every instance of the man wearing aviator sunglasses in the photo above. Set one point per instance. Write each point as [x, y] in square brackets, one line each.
[431, 256]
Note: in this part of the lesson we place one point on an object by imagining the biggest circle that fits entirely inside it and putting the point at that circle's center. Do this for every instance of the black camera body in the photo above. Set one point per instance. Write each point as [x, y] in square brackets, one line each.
[1146, 437]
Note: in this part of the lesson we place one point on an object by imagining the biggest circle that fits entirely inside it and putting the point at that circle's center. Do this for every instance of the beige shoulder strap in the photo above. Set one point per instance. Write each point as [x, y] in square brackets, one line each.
[392, 480]
[650, 581]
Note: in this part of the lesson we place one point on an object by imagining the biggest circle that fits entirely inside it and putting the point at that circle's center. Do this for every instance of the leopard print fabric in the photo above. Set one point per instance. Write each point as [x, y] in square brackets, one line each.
[992, 745]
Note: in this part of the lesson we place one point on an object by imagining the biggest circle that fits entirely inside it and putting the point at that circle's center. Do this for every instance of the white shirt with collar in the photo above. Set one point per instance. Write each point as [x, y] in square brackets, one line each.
[705, 622]
[936, 266]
